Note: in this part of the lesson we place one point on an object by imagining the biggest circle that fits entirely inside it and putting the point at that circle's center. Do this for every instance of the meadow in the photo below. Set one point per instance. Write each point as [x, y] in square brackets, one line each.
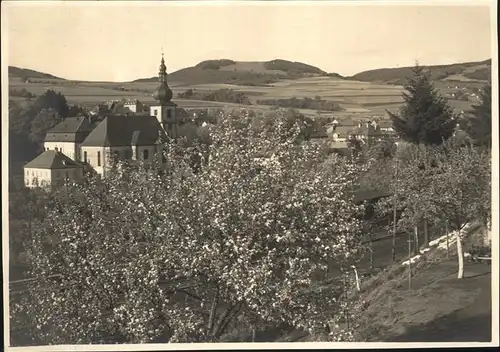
[356, 97]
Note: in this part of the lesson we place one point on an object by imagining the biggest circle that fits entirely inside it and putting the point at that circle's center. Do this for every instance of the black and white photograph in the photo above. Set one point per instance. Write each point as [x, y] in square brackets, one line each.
[249, 174]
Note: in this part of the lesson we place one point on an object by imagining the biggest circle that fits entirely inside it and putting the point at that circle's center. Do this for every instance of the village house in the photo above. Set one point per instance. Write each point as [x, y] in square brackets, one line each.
[67, 136]
[52, 168]
[134, 105]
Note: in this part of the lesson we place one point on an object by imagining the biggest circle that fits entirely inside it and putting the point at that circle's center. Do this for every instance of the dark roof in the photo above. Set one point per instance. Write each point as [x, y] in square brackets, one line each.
[120, 130]
[52, 159]
[68, 130]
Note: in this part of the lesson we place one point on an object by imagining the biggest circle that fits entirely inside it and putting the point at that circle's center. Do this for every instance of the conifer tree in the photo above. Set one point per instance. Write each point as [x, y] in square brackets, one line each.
[478, 124]
[425, 117]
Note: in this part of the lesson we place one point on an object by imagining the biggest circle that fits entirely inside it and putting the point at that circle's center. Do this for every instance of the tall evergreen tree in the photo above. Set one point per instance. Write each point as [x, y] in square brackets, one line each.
[478, 123]
[425, 117]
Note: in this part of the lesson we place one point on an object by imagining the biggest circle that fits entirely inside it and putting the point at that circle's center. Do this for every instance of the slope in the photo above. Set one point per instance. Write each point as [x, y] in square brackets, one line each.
[461, 71]
[27, 73]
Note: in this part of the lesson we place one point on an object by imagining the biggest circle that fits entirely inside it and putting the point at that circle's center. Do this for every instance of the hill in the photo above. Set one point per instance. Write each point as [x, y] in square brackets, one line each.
[24, 72]
[248, 73]
[480, 71]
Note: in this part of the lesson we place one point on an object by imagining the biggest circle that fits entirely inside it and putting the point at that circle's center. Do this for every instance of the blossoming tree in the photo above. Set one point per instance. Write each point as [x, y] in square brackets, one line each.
[149, 255]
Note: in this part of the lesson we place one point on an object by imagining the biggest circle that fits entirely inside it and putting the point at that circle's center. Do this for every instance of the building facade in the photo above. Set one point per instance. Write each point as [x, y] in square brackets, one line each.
[52, 168]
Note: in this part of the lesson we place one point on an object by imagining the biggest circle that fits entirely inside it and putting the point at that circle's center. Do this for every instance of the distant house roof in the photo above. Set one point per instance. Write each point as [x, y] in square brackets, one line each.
[343, 131]
[125, 131]
[71, 129]
[52, 159]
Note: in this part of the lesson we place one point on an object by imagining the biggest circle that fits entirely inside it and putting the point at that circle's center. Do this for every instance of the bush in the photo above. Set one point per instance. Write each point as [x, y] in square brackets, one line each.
[303, 103]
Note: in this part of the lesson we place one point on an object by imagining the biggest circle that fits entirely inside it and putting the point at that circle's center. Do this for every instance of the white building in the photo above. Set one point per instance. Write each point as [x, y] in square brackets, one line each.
[67, 136]
[51, 168]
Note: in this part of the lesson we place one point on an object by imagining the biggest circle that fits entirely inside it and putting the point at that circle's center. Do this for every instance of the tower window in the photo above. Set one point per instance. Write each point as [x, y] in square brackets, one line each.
[145, 154]
[98, 158]
[85, 156]
[169, 113]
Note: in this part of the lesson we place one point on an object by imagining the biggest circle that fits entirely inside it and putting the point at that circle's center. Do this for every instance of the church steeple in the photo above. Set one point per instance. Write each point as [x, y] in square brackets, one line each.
[165, 111]
[163, 94]
[163, 70]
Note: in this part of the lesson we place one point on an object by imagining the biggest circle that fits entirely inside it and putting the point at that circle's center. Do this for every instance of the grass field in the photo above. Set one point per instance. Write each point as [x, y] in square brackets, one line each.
[356, 97]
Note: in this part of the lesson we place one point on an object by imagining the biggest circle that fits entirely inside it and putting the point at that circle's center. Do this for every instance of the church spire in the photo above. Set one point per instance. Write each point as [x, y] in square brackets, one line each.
[163, 69]
[163, 94]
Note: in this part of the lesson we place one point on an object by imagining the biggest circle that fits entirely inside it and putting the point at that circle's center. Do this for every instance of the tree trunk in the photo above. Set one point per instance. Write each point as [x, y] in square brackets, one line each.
[426, 234]
[447, 240]
[213, 310]
[394, 215]
[357, 278]
[416, 247]
[460, 255]
[409, 259]
[394, 232]
[371, 256]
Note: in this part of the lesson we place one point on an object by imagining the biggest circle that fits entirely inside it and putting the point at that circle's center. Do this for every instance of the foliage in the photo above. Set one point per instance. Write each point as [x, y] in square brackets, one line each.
[462, 188]
[222, 95]
[425, 117]
[291, 119]
[183, 256]
[52, 100]
[29, 122]
[215, 64]
[401, 73]
[478, 124]
[20, 93]
[41, 123]
[25, 206]
[303, 103]
[483, 74]
[441, 183]
[292, 67]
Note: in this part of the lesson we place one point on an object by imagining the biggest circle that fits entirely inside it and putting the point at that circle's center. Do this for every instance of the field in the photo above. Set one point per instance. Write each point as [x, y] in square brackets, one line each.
[356, 97]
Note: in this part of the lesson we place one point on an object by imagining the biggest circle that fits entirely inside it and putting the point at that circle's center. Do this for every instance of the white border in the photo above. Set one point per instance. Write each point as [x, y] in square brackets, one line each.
[252, 346]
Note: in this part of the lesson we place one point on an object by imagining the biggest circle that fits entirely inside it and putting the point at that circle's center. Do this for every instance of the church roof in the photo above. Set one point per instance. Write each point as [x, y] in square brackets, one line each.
[125, 131]
[52, 159]
[66, 130]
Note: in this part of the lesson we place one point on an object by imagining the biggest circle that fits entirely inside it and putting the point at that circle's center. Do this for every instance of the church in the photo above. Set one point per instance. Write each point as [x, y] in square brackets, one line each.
[77, 145]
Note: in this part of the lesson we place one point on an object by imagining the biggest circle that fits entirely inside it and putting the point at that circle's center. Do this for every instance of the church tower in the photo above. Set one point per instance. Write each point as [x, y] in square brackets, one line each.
[165, 111]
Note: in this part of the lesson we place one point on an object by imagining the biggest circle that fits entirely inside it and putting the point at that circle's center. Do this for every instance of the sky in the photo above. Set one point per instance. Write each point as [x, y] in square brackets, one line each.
[123, 41]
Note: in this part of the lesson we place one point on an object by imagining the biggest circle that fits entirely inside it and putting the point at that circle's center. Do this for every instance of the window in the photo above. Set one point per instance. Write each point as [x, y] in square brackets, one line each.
[169, 113]
[155, 111]
[85, 156]
[98, 158]
[145, 154]
[56, 149]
